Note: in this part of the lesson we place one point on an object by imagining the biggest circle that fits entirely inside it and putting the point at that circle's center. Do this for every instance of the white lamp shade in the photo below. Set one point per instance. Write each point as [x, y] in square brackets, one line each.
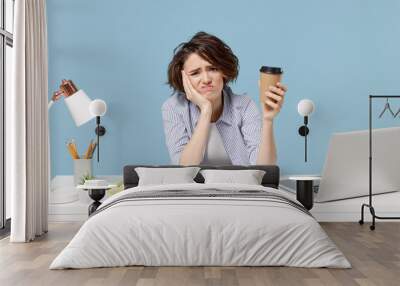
[78, 106]
[98, 107]
[305, 107]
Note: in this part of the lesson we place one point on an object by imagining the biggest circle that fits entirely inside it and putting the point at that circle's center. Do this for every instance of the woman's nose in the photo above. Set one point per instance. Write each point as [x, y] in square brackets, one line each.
[206, 78]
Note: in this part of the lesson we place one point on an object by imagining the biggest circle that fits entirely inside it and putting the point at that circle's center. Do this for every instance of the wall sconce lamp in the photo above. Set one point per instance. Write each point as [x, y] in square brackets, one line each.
[77, 102]
[98, 108]
[305, 107]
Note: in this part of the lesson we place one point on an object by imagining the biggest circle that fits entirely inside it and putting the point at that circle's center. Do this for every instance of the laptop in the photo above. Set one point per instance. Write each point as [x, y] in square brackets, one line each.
[346, 169]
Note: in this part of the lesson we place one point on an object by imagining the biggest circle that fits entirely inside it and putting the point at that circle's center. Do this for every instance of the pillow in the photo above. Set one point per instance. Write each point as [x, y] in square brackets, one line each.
[248, 177]
[165, 176]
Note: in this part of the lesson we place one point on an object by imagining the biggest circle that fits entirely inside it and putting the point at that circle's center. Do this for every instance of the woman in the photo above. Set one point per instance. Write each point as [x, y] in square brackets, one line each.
[204, 121]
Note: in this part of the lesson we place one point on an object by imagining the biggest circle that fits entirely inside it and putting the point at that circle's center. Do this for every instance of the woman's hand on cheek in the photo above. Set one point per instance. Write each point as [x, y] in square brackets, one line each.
[194, 96]
[274, 100]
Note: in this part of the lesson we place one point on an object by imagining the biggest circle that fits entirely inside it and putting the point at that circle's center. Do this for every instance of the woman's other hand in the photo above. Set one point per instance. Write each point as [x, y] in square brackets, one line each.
[194, 96]
[275, 96]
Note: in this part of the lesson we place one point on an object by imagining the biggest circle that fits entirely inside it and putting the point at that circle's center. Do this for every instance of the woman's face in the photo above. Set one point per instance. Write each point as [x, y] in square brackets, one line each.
[205, 78]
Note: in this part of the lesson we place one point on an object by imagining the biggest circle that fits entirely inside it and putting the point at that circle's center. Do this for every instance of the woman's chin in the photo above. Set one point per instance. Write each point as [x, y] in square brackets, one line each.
[209, 95]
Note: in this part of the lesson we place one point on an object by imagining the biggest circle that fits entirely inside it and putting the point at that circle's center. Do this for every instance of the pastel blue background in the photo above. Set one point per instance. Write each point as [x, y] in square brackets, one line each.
[333, 52]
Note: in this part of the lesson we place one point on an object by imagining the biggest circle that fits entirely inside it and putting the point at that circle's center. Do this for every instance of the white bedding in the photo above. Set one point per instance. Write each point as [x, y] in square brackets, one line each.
[200, 231]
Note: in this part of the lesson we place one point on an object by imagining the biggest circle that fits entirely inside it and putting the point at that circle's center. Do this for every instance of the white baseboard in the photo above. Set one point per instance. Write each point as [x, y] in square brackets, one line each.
[68, 218]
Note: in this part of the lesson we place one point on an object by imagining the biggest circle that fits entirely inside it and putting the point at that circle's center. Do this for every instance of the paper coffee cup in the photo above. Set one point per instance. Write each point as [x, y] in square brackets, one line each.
[268, 76]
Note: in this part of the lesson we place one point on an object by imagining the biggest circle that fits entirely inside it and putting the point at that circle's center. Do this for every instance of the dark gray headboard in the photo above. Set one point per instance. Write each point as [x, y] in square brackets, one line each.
[270, 179]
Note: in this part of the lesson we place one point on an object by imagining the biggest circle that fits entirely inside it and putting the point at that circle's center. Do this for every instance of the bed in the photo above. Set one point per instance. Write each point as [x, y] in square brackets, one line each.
[201, 224]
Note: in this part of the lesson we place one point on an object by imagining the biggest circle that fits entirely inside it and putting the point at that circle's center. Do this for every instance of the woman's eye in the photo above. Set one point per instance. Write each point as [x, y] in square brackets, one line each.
[213, 69]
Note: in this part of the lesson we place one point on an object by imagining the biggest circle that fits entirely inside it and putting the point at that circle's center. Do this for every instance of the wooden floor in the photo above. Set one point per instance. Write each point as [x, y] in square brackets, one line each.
[374, 255]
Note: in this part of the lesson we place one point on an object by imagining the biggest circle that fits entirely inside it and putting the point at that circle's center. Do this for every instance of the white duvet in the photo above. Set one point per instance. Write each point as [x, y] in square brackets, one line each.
[200, 231]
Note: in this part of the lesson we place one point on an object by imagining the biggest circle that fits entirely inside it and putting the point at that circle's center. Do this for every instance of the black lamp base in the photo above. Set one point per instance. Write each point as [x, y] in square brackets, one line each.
[100, 130]
[303, 130]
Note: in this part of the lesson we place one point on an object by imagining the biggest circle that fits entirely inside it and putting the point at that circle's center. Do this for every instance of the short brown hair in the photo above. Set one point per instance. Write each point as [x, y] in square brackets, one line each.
[211, 49]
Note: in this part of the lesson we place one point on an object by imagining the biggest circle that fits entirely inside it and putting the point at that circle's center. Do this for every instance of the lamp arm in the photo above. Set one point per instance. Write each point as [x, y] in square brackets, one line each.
[56, 96]
[51, 102]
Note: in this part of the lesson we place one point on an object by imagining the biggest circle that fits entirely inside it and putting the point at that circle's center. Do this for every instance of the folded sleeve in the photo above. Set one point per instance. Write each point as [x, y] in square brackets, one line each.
[176, 135]
[251, 130]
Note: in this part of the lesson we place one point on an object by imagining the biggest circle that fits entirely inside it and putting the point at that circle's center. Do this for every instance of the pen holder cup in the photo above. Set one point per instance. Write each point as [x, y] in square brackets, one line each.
[82, 168]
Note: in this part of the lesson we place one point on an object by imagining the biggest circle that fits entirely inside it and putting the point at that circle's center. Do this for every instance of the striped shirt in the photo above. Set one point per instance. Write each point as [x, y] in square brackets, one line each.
[239, 126]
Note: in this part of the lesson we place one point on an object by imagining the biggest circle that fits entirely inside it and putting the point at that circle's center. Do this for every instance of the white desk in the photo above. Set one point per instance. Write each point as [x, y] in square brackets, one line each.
[347, 209]
[76, 210]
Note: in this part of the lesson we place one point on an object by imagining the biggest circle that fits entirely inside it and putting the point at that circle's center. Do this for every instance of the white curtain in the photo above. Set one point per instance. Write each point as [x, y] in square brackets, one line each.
[27, 124]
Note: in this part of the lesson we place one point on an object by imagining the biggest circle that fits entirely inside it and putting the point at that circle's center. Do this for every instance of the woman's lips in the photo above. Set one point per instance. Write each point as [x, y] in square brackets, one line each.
[207, 88]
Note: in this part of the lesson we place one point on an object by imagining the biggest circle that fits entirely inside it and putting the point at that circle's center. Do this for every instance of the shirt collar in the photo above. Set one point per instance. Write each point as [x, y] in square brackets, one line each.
[226, 115]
